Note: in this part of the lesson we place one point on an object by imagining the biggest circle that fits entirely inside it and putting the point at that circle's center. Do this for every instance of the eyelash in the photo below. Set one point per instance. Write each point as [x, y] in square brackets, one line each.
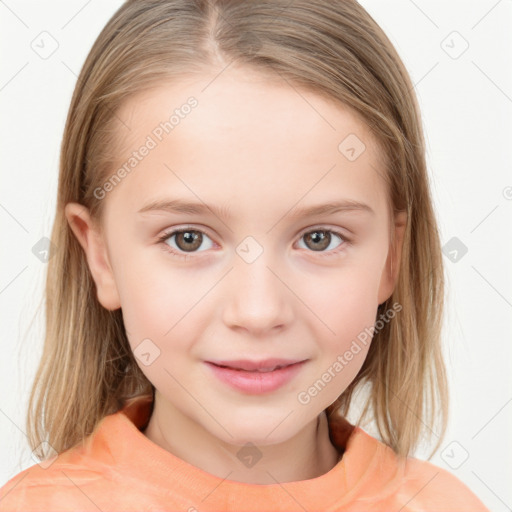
[165, 236]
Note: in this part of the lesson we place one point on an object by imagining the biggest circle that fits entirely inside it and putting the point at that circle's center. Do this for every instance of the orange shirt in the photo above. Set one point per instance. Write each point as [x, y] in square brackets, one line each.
[117, 468]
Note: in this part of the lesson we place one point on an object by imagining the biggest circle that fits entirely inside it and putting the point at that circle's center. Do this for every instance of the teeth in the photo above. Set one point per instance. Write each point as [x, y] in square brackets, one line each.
[262, 370]
[267, 369]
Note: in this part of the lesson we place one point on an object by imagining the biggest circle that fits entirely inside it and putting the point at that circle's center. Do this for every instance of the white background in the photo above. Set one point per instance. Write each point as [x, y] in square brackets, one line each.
[466, 104]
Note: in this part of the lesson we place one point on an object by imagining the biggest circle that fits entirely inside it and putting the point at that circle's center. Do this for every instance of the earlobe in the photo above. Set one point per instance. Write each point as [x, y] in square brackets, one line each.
[391, 270]
[93, 244]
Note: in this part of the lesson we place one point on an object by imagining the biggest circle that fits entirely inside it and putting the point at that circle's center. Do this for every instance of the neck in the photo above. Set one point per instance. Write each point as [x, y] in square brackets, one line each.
[308, 454]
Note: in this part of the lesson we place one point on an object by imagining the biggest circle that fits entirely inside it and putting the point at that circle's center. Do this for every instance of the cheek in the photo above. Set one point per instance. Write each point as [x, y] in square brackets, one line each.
[343, 336]
[150, 298]
[345, 299]
[346, 309]
[161, 304]
[155, 318]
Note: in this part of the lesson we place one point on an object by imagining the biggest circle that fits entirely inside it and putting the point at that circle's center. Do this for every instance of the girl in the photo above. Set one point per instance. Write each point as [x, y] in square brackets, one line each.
[246, 252]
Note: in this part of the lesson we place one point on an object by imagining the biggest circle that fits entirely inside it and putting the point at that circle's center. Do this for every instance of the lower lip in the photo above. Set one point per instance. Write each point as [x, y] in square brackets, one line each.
[256, 382]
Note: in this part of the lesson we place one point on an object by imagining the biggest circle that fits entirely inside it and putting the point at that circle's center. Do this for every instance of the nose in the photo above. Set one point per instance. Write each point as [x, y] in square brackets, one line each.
[259, 301]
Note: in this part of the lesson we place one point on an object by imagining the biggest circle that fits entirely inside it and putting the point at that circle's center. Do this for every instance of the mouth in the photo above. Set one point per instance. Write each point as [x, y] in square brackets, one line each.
[262, 379]
[263, 366]
[260, 370]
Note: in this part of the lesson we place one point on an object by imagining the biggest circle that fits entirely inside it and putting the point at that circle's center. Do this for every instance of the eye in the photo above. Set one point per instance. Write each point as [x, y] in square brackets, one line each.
[186, 240]
[321, 238]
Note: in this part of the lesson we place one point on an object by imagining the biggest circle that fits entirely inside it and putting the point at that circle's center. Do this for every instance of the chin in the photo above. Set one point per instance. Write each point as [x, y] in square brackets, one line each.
[259, 433]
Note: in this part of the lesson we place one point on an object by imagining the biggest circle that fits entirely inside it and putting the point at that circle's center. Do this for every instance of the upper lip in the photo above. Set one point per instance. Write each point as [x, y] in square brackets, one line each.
[245, 364]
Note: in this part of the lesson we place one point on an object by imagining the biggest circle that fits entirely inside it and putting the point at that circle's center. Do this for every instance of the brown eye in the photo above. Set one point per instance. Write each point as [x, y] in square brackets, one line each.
[186, 241]
[319, 240]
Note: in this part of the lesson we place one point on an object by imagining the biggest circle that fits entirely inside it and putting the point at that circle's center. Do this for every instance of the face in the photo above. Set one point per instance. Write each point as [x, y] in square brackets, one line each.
[247, 273]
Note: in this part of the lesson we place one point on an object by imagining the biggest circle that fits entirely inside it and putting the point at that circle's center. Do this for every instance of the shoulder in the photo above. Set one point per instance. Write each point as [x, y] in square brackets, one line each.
[415, 485]
[52, 488]
[88, 476]
[37, 488]
[433, 488]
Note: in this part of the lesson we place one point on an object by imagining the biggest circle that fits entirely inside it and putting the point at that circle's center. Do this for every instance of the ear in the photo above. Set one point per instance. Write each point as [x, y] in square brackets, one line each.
[391, 269]
[92, 241]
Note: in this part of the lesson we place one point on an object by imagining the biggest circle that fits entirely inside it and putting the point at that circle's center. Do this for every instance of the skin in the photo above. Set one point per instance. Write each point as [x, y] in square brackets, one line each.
[261, 149]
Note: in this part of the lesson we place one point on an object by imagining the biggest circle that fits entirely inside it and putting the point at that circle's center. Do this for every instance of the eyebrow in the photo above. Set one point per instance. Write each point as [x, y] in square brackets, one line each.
[187, 207]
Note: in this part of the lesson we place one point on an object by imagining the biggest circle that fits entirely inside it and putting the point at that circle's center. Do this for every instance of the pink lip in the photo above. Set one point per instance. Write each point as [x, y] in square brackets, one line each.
[246, 364]
[255, 382]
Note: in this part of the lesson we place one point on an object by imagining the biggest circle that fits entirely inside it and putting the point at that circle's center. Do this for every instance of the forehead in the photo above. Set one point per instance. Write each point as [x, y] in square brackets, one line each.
[246, 103]
[252, 135]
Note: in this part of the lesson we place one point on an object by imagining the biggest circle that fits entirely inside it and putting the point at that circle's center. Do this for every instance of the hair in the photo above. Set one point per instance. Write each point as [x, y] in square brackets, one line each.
[332, 48]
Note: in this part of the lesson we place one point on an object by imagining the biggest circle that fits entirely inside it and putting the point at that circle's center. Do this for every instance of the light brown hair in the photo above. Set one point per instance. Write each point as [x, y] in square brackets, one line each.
[331, 47]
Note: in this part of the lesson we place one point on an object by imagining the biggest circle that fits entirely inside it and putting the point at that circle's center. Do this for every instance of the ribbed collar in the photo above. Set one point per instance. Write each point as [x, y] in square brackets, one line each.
[118, 440]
